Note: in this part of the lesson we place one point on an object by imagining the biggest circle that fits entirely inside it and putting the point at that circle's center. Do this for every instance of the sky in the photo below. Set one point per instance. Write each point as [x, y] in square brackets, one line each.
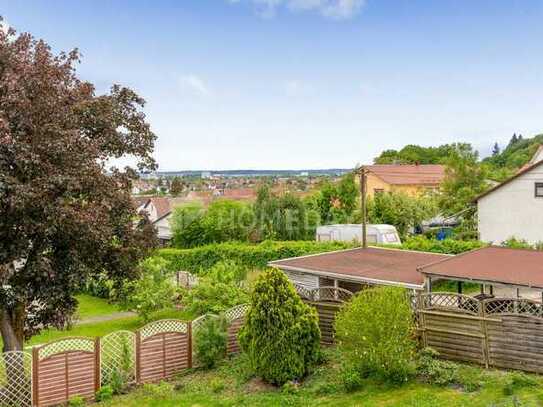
[307, 84]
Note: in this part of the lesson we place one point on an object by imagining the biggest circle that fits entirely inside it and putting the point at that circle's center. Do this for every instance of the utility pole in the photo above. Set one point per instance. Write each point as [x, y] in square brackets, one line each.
[363, 187]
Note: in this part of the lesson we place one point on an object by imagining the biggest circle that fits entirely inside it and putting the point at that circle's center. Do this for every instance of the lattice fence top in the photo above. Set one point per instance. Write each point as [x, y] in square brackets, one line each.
[327, 293]
[336, 294]
[451, 301]
[17, 389]
[72, 344]
[236, 312]
[515, 306]
[162, 326]
[198, 322]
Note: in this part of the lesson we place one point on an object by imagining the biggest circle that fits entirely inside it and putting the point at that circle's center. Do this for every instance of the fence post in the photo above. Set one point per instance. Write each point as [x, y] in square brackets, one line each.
[421, 320]
[189, 332]
[138, 356]
[35, 366]
[97, 364]
[486, 350]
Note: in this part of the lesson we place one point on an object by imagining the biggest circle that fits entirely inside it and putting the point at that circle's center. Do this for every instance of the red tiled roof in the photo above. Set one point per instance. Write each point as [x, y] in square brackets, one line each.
[520, 267]
[372, 265]
[162, 205]
[409, 174]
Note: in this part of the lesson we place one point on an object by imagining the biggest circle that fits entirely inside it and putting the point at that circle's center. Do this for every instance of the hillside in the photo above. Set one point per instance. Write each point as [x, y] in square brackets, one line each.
[517, 153]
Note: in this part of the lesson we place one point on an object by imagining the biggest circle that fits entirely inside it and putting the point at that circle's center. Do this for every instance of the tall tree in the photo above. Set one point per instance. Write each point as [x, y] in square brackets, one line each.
[176, 186]
[495, 149]
[64, 215]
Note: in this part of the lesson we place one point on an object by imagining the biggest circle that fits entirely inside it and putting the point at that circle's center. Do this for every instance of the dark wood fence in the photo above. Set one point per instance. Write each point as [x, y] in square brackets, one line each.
[499, 332]
[327, 301]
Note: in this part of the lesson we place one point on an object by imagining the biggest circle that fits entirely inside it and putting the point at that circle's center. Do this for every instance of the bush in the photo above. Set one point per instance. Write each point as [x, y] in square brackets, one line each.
[161, 390]
[374, 333]
[76, 401]
[281, 333]
[351, 379]
[217, 290]
[104, 394]
[434, 371]
[153, 292]
[516, 381]
[250, 256]
[210, 342]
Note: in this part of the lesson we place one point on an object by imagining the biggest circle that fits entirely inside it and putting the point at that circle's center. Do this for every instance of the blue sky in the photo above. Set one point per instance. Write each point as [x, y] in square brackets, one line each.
[280, 84]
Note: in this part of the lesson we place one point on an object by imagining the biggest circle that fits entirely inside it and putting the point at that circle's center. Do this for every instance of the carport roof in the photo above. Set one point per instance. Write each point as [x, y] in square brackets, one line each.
[372, 265]
[498, 265]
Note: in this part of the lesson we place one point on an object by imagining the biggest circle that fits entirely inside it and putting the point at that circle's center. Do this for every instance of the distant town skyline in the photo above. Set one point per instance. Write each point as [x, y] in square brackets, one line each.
[307, 84]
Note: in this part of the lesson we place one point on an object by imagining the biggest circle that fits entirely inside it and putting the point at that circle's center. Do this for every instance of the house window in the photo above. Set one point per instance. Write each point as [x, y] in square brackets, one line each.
[539, 189]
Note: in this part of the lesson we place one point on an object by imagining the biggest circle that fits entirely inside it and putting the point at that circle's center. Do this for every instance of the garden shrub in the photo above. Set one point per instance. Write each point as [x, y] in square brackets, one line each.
[281, 334]
[374, 333]
[218, 289]
[153, 291]
[210, 341]
[351, 379]
[518, 380]
[250, 256]
[160, 390]
[104, 394]
[76, 401]
[434, 371]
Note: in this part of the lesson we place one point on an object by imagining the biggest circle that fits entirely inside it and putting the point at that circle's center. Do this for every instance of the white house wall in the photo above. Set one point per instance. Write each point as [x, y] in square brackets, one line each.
[163, 228]
[513, 211]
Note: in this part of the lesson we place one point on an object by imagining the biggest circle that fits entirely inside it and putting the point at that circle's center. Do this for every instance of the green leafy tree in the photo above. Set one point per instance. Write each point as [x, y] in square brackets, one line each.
[374, 333]
[464, 180]
[187, 225]
[281, 334]
[401, 210]
[154, 291]
[337, 202]
[283, 217]
[176, 186]
[65, 214]
[227, 220]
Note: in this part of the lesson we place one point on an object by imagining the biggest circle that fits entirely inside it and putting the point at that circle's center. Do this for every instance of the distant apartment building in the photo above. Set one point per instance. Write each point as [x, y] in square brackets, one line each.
[411, 179]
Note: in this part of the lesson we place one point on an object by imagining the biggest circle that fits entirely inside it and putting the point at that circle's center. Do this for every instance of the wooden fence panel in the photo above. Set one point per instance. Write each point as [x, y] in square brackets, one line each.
[454, 335]
[516, 342]
[163, 349]
[327, 315]
[64, 369]
[235, 318]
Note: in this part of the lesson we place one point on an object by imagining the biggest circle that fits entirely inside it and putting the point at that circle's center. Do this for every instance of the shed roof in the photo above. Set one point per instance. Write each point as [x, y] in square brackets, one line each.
[409, 174]
[372, 265]
[499, 265]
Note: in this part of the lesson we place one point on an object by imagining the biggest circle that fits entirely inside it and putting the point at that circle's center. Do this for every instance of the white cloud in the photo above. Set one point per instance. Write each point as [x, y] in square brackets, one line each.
[334, 9]
[194, 84]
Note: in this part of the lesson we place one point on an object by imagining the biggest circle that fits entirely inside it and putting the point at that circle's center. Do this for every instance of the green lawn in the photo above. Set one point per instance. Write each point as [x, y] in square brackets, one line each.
[229, 385]
[89, 306]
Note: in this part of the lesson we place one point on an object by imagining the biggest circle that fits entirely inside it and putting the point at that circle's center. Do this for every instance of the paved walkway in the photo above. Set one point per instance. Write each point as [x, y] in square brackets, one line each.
[104, 318]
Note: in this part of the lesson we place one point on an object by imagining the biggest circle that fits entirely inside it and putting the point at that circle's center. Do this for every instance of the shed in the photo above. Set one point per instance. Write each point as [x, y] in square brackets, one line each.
[354, 268]
[490, 266]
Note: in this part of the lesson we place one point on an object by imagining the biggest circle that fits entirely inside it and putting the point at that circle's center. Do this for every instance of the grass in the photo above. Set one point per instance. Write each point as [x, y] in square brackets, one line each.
[103, 328]
[89, 306]
[231, 385]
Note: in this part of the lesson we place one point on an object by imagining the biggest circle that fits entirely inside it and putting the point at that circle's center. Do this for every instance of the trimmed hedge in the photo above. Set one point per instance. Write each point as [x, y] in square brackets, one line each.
[447, 246]
[248, 255]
